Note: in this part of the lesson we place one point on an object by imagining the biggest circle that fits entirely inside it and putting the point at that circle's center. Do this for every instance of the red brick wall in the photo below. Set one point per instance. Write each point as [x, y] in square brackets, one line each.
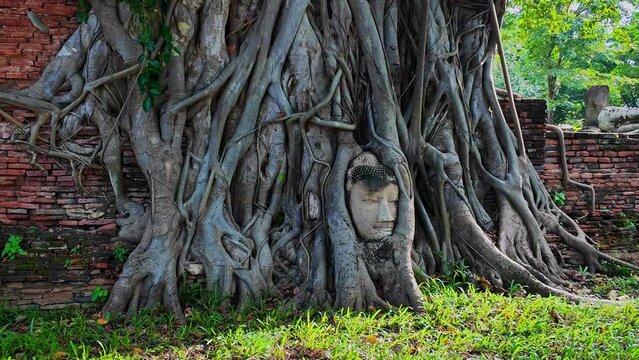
[63, 265]
[610, 163]
[44, 193]
[532, 117]
[25, 51]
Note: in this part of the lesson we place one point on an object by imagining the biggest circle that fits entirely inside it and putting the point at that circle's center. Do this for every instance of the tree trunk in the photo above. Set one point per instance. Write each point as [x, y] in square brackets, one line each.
[248, 118]
[552, 96]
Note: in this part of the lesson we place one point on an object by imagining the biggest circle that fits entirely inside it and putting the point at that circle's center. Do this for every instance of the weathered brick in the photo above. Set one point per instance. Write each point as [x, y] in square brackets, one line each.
[13, 172]
[55, 298]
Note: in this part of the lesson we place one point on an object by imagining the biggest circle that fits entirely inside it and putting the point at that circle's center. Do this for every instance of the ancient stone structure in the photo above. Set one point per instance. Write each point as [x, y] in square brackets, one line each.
[24, 51]
[596, 99]
[373, 195]
[608, 118]
[41, 199]
[619, 119]
[101, 220]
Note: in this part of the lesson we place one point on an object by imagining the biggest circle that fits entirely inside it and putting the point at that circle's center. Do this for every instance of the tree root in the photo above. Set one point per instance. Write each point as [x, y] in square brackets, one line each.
[258, 109]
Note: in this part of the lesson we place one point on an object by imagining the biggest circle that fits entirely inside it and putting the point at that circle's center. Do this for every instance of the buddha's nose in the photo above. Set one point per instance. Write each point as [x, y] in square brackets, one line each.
[384, 212]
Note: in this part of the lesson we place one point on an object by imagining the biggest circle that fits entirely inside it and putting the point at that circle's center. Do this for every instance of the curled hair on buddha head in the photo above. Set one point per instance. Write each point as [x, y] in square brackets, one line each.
[365, 167]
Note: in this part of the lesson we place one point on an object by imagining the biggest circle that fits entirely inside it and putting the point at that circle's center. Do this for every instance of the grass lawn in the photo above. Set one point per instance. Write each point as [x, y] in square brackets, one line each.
[455, 324]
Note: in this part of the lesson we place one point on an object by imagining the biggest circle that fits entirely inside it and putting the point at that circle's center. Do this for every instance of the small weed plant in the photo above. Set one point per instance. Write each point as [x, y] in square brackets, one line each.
[576, 125]
[120, 253]
[458, 275]
[12, 248]
[628, 222]
[583, 270]
[559, 197]
[196, 295]
[99, 294]
[516, 288]
[76, 249]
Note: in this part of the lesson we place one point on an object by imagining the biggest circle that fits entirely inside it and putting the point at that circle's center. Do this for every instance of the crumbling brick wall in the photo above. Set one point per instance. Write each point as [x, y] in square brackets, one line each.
[67, 233]
[532, 117]
[25, 51]
[610, 163]
[41, 191]
[62, 267]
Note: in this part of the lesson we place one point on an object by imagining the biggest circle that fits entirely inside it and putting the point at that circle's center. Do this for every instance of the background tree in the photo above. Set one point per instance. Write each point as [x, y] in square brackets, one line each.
[560, 48]
[244, 116]
[627, 57]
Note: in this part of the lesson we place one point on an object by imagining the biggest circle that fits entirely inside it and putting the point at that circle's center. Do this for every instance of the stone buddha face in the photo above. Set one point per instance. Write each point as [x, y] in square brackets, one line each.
[372, 198]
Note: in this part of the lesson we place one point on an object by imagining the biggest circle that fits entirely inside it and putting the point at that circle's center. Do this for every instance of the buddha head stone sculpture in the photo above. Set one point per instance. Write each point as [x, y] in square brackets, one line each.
[372, 197]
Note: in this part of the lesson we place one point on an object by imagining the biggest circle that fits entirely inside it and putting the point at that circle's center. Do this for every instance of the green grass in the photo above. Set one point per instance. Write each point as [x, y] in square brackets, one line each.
[628, 286]
[469, 324]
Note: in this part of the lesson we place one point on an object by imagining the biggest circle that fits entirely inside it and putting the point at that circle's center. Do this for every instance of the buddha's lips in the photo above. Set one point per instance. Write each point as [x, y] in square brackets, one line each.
[384, 228]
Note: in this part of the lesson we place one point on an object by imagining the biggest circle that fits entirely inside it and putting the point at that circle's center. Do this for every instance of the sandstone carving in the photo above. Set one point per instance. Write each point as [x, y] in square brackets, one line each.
[619, 119]
[373, 196]
[596, 99]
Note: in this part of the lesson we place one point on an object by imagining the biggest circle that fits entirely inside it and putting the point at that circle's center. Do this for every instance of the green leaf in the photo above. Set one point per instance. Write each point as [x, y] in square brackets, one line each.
[99, 294]
[153, 92]
[143, 79]
[82, 14]
[165, 32]
[149, 46]
[147, 105]
[154, 66]
[165, 57]
[12, 247]
[559, 197]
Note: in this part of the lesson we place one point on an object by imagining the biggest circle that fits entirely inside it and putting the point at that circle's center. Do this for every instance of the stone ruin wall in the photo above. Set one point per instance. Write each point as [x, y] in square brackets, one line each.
[67, 232]
[607, 161]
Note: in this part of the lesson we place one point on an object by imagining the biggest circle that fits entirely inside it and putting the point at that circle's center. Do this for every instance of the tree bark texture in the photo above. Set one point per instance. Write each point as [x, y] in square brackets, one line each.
[245, 145]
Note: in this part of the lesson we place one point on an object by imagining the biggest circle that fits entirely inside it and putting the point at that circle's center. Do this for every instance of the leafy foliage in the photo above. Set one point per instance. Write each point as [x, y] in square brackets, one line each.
[613, 269]
[82, 13]
[628, 222]
[557, 49]
[149, 20]
[99, 294]
[120, 253]
[12, 248]
[559, 197]
[620, 286]
[630, 94]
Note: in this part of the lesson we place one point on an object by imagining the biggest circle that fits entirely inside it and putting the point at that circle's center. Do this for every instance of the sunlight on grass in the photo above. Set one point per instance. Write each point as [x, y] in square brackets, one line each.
[454, 324]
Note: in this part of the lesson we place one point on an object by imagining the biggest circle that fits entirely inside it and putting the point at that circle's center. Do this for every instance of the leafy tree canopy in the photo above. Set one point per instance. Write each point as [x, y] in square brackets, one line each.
[557, 49]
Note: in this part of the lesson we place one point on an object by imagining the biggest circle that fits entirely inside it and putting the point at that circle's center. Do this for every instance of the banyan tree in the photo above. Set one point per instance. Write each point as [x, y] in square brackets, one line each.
[330, 151]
